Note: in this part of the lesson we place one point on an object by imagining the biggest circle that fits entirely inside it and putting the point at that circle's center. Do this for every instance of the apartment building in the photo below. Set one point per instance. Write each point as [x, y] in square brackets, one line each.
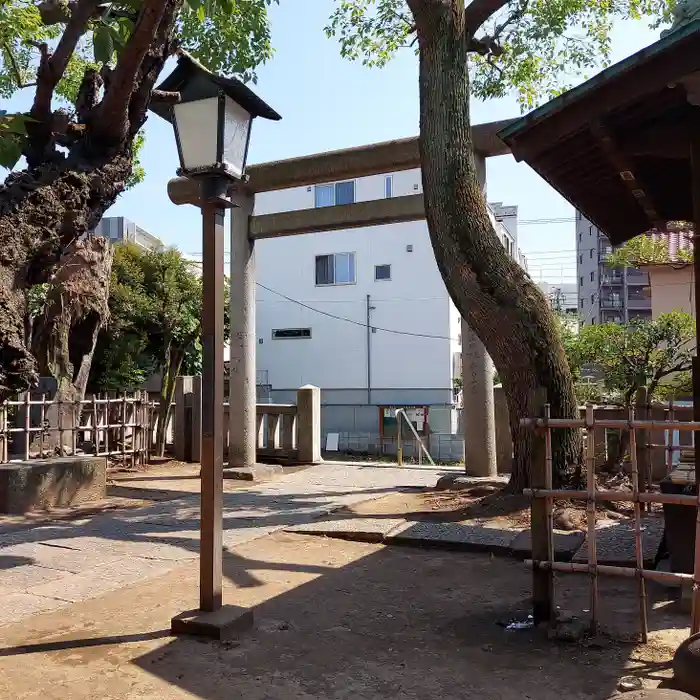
[119, 228]
[604, 293]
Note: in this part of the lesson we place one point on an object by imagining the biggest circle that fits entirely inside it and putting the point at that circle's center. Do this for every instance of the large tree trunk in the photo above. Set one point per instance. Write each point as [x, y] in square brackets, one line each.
[65, 335]
[492, 292]
[43, 210]
[59, 198]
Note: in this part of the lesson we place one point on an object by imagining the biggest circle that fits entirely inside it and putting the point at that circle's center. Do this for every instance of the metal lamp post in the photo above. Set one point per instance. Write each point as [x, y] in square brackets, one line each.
[212, 118]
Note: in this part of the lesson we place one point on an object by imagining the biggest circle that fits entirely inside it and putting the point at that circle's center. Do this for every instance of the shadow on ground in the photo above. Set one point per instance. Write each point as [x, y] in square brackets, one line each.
[405, 624]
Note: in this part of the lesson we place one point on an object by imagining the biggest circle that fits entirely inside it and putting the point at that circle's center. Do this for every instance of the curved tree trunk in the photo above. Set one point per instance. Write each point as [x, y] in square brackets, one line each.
[65, 334]
[492, 292]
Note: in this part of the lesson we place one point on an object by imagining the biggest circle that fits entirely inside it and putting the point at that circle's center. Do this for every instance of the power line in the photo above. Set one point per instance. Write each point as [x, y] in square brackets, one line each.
[356, 323]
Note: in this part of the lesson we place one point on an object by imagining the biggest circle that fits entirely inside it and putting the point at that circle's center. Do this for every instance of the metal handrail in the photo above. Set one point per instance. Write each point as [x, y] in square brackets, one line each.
[399, 449]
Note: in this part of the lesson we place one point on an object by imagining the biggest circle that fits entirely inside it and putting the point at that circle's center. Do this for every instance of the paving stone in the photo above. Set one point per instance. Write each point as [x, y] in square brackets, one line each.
[362, 529]
[566, 544]
[99, 580]
[93, 555]
[17, 606]
[615, 542]
[471, 537]
[54, 555]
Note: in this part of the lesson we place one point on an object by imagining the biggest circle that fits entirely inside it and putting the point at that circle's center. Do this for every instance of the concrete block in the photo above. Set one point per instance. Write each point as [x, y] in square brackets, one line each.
[615, 542]
[50, 483]
[227, 622]
[358, 529]
[459, 536]
[566, 544]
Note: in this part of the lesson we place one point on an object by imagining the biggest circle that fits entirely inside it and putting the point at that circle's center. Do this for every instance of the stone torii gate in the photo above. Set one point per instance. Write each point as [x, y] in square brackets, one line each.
[347, 164]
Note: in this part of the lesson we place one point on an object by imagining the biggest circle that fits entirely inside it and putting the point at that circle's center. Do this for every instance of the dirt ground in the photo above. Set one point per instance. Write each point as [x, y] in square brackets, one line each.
[483, 502]
[337, 620]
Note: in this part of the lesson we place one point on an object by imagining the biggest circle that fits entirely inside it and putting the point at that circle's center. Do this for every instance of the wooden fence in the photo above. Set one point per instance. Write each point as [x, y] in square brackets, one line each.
[35, 427]
[542, 530]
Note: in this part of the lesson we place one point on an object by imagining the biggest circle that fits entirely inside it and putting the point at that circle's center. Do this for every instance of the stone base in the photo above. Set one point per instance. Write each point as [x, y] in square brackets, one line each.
[51, 483]
[227, 622]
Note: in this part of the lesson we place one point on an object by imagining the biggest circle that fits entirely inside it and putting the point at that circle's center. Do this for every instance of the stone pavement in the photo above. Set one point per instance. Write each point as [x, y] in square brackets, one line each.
[615, 539]
[43, 567]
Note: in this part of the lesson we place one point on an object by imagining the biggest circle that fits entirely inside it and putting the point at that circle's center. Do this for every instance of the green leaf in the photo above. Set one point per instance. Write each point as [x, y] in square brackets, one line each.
[10, 149]
[201, 13]
[103, 44]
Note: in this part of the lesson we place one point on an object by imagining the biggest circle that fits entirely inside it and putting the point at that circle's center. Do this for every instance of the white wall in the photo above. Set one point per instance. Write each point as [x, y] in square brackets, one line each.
[366, 189]
[414, 300]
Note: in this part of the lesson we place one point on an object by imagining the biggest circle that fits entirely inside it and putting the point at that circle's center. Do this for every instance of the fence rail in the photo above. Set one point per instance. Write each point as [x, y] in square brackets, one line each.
[543, 494]
[37, 427]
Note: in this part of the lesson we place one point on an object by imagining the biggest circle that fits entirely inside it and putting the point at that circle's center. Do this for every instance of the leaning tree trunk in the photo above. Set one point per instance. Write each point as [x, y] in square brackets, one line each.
[492, 292]
[65, 334]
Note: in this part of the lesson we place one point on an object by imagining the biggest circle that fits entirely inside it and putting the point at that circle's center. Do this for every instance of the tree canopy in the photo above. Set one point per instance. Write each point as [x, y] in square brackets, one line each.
[652, 354]
[537, 48]
[86, 38]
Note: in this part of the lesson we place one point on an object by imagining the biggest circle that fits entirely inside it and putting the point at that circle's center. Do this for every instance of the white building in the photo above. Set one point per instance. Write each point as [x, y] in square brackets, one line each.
[118, 228]
[361, 313]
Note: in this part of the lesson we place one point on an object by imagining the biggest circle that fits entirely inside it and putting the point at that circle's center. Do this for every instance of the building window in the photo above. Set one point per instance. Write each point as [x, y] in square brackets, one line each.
[580, 259]
[382, 272]
[590, 253]
[581, 282]
[592, 298]
[581, 303]
[338, 193]
[590, 230]
[291, 333]
[388, 187]
[592, 276]
[337, 268]
[580, 238]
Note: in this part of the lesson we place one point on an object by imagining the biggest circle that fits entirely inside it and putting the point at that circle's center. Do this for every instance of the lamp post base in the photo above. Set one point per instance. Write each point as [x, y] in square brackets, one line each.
[228, 622]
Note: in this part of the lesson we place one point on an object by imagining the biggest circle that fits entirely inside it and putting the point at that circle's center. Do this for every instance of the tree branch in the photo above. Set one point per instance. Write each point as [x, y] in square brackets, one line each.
[53, 66]
[124, 81]
[162, 47]
[15, 68]
[479, 11]
[163, 97]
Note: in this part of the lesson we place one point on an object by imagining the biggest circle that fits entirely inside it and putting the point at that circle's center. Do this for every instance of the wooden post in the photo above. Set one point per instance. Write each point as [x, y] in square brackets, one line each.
[590, 516]
[642, 441]
[638, 549]
[695, 188]
[542, 577]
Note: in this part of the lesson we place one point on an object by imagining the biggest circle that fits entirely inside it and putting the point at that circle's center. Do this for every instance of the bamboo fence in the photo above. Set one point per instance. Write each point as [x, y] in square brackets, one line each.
[592, 495]
[116, 426]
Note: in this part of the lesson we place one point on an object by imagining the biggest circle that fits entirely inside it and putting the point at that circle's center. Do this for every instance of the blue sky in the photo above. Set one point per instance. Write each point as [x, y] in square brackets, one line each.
[326, 103]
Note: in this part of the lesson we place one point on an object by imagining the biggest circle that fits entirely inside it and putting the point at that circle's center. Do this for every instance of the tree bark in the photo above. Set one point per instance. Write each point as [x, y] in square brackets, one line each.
[492, 292]
[175, 358]
[65, 335]
[43, 210]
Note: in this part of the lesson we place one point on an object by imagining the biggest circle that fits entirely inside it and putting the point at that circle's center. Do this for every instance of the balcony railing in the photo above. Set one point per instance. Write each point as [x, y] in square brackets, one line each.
[610, 303]
[611, 278]
[635, 276]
